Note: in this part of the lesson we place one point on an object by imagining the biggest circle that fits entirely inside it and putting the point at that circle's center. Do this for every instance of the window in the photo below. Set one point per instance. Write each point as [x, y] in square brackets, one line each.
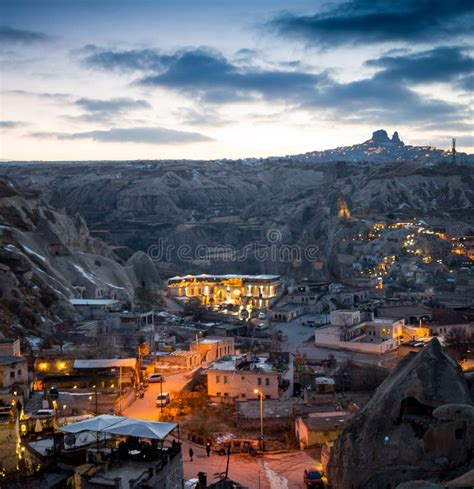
[459, 433]
[218, 379]
[225, 379]
[12, 374]
[218, 394]
[243, 396]
[226, 394]
[19, 373]
[267, 381]
[268, 396]
[259, 381]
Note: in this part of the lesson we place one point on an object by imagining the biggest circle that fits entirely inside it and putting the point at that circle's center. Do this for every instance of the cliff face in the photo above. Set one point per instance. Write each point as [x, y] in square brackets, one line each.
[400, 435]
[47, 258]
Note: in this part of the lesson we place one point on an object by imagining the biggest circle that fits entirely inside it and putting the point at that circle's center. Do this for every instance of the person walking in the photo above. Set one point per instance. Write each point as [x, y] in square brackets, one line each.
[191, 453]
[208, 448]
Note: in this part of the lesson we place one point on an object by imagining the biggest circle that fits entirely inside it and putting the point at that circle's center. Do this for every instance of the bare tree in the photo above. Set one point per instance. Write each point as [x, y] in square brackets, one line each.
[459, 342]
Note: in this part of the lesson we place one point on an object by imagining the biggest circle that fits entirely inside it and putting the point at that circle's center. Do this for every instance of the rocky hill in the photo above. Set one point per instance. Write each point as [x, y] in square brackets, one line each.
[419, 424]
[382, 149]
[47, 258]
[160, 206]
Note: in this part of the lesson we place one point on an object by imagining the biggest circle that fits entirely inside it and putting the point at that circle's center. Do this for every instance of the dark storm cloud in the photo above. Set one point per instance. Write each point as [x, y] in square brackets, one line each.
[442, 64]
[375, 21]
[148, 135]
[207, 76]
[10, 35]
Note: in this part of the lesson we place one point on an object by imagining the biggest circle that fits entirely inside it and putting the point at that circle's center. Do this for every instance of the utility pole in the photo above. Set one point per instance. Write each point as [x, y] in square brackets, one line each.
[120, 389]
[228, 460]
[96, 400]
[454, 151]
[260, 393]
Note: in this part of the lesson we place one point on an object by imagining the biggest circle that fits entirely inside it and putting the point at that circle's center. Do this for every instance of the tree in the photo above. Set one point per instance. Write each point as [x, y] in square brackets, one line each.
[459, 342]
[142, 347]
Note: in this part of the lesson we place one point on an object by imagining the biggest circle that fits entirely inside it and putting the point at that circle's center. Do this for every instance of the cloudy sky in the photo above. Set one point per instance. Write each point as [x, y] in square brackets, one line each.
[132, 79]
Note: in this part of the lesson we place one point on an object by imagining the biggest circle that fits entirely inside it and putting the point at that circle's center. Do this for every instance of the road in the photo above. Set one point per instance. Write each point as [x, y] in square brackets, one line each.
[146, 408]
[270, 471]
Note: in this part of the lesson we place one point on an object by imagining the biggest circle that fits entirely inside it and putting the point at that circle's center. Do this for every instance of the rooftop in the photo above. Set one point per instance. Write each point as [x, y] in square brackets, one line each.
[9, 359]
[289, 306]
[327, 421]
[93, 302]
[240, 363]
[182, 353]
[106, 363]
[225, 277]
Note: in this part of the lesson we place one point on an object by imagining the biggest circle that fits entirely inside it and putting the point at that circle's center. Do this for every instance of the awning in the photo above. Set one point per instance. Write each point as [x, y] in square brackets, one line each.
[105, 363]
[122, 425]
[153, 430]
[98, 423]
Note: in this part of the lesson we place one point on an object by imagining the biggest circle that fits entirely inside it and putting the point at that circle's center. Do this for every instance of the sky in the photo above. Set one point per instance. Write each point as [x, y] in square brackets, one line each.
[153, 79]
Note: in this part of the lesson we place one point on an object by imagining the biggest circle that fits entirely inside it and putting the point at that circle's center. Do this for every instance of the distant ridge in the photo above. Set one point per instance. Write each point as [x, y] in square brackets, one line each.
[380, 148]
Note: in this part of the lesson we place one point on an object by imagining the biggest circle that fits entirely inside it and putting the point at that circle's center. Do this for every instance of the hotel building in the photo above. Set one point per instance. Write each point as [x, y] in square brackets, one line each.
[248, 291]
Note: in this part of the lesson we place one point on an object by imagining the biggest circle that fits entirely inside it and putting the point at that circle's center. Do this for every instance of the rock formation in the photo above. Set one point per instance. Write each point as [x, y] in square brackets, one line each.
[419, 425]
[47, 258]
[380, 137]
[234, 203]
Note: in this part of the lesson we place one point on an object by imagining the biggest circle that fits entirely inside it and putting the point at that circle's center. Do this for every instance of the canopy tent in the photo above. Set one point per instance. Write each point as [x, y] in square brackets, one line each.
[122, 425]
[98, 423]
[153, 430]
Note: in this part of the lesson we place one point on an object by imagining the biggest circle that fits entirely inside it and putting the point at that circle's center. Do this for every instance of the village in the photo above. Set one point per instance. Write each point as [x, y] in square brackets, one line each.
[233, 375]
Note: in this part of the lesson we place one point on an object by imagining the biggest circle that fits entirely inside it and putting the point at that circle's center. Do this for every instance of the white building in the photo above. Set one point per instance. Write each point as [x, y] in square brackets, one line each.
[356, 331]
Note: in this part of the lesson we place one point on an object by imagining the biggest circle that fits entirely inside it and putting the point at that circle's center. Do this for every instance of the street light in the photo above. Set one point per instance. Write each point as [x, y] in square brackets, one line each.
[260, 393]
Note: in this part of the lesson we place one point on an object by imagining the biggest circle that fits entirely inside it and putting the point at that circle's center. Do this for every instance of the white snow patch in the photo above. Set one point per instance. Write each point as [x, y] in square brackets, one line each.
[11, 247]
[85, 274]
[113, 286]
[276, 481]
[32, 252]
[34, 342]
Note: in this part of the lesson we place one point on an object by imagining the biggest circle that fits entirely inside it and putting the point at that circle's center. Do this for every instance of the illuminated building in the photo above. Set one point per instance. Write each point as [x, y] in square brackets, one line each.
[343, 212]
[249, 291]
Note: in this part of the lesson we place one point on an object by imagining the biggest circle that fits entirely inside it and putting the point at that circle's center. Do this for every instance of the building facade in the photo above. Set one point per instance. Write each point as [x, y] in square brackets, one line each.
[243, 378]
[252, 291]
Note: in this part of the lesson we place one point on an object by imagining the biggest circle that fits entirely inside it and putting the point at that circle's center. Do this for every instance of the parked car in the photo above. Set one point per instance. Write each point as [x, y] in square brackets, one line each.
[238, 445]
[163, 399]
[44, 413]
[156, 378]
[313, 479]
